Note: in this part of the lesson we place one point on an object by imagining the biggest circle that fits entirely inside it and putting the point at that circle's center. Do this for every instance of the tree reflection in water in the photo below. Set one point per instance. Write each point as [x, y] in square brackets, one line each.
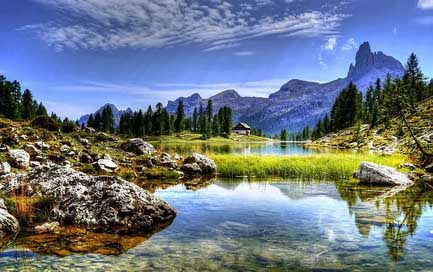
[397, 209]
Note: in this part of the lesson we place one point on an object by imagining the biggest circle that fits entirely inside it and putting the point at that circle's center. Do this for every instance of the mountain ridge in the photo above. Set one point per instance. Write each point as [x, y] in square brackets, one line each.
[298, 103]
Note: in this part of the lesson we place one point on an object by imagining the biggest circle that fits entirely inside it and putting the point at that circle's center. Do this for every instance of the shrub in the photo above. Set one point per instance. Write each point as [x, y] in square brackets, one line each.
[45, 122]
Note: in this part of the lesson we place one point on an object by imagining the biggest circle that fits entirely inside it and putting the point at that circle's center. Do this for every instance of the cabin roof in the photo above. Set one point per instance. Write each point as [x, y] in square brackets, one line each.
[242, 126]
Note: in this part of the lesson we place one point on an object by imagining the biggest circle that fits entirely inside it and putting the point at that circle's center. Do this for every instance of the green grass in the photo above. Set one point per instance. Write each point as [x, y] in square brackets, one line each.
[320, 167]
[187, 137]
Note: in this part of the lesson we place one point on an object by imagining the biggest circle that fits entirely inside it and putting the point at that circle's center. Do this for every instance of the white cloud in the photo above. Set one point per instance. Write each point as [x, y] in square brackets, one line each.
[425, 4]
[350, 44]
[330, 44]
[243, 53]
[214, 25]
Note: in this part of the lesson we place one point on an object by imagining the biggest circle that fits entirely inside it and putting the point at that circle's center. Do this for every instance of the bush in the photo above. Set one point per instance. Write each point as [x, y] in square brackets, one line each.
[68, 127]
[45, 122]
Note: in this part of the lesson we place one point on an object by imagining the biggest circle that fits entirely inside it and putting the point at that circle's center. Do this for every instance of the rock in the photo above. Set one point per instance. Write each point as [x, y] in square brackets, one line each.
[11, 140]
[20, 158]
[8, 223]
[166, 161]
[47, 227]
[24, 137]
[35, 164]
[42, 145]
[65, 148]
[5, 168]
[106, 165]
[32, 150]
[138, 146]
[427, 179]
[89, 130]
[101, 203]
[429, 168]
[371, 173]
[86, 158]
[84, 142]
[191, 168]
[407, 165]
[206, 165]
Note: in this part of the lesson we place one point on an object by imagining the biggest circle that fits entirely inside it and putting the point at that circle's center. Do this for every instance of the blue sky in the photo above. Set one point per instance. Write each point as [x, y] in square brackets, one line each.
[76, 55]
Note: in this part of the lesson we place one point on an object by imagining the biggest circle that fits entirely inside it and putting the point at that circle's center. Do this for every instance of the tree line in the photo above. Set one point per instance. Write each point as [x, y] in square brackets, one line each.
[159, 122]
[382, 102]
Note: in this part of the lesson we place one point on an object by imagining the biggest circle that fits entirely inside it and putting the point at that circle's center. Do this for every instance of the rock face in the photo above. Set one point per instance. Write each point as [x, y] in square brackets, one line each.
[20, 158]
[199, 164]
[138, 146]
[371, 173]
[8, 223]
[108, 204]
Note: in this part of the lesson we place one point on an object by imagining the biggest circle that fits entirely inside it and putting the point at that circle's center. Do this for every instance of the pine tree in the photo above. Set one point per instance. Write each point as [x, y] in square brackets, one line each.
[413, 80]
[138, 124]
[195, 120]
[27, 107]
[284, 136]
[41, 110]
[90, 122]
[148, 130]
[158, 126]
[216, 127]
[97, 122]
[107, 120]
[180, 117]
[347, 109]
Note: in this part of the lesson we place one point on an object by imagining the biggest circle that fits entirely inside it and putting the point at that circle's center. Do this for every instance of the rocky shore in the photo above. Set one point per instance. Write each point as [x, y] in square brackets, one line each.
[86, 179]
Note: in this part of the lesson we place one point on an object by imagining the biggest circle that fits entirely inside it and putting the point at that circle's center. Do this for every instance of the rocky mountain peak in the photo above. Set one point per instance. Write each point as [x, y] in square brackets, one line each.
[227, 94]
[366, 61]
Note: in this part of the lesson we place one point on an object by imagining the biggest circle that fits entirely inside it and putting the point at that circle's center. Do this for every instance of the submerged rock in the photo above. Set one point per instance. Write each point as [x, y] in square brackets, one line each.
[20, 158]
[107, 204]
[138, 146]
[199, 164]
[371, 173]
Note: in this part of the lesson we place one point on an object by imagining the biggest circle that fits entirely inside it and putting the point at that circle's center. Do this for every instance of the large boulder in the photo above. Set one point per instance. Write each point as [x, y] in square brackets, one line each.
[371, 173]
[101, 203]
[20, 158]
[199, 164]
[106, 165]
[8, 223]
[138, 146]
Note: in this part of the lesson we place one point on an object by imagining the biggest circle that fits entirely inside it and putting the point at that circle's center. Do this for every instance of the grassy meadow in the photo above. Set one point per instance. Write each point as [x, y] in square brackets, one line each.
[318, 166]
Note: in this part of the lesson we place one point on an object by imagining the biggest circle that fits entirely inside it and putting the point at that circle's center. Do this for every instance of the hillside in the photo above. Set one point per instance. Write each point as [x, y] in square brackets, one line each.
[390, 138]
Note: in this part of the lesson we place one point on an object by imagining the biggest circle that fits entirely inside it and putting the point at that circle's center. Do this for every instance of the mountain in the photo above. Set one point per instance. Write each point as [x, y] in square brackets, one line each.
[298, 103]
[116, 114]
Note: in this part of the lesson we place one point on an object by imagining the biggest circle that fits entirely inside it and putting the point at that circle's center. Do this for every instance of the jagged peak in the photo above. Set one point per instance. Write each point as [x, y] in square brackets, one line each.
[226, 94]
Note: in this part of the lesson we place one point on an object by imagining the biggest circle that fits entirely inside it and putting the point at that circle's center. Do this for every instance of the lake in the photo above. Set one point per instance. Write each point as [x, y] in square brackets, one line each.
[270, 148]
[236, 225]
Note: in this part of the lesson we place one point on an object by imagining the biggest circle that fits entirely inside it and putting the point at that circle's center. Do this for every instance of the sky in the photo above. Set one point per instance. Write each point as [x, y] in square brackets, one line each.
[76, 55]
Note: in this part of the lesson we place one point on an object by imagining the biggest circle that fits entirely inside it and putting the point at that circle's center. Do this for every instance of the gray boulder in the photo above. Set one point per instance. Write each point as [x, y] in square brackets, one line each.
[5, 168]
[106, 165]
[205, 165]
[8, 223]
[20, 158]
[167, 161]
[97, 203]
[375, 174]
[138, 146]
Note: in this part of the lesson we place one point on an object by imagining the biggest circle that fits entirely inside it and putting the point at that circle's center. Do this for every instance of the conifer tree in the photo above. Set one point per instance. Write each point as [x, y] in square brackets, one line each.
[97, 122]
[180, 118]
[27, 109]
[284, 136]
[90, 122]
[195, 120]
[148, 130]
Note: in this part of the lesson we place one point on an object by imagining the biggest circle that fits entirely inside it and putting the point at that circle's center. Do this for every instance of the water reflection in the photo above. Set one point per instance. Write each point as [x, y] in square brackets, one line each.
[250, 225]
[239, 148]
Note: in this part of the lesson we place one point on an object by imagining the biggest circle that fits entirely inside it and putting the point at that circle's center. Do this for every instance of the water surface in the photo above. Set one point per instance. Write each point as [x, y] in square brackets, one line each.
[256, 226]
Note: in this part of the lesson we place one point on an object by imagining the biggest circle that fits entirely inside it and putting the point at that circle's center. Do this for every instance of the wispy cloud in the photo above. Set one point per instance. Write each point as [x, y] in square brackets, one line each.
[330, 44]
[243, 53]
[350, 44]
[214, 25]
[425, 4]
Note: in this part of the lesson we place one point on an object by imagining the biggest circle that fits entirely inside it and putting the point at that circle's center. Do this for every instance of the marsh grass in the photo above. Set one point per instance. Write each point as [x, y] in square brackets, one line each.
[319, 167]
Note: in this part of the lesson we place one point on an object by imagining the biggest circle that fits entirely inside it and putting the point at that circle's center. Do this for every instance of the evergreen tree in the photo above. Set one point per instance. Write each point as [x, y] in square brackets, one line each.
[90, 122]
[27, 109]
[41, 110]
[180, 117]
[107, 120]
[138, 124]
[216, 127]
[347, 109]
[166, 123]
[413, 80]
[125, 124]
[284, 136]
[157, 125]
[148, 130]
[97, 122]
[326, 125]
[195, 120]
